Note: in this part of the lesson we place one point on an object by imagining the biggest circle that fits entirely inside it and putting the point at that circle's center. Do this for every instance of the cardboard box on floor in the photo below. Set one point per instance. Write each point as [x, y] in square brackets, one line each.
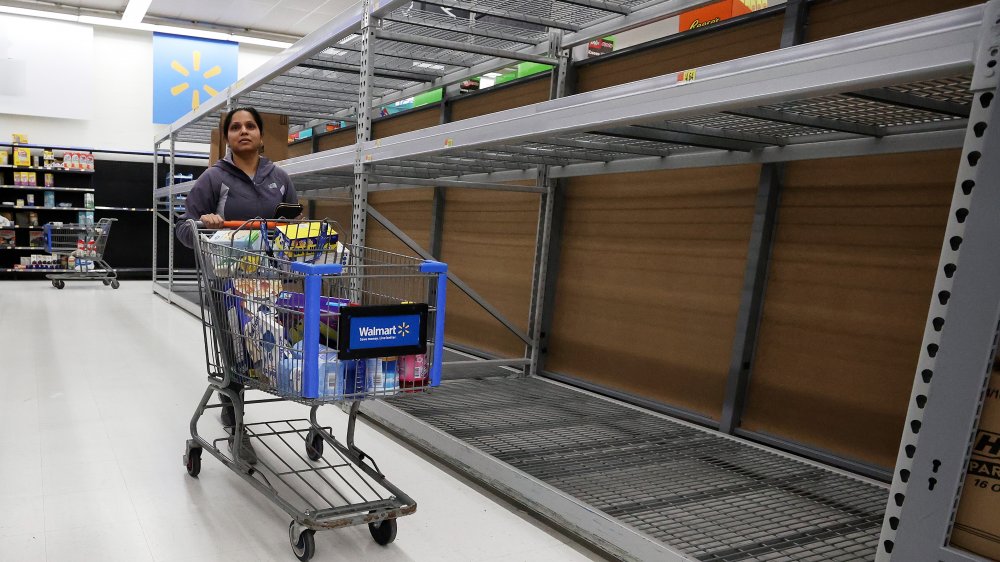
[977, 524]
[275, 139]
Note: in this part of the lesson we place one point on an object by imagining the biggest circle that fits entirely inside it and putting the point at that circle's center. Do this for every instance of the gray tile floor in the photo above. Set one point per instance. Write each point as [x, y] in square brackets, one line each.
[97, 390]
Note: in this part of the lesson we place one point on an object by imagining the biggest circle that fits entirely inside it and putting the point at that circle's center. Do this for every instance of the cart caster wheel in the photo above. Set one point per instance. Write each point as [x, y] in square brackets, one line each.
[305, 547]
[115, 284]
[58, 284]
[314, 446]
[384, 532]
[106, 282]
[192, 461]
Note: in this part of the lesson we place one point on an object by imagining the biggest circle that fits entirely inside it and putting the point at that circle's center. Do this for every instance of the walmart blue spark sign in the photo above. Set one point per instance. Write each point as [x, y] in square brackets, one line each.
[188, 71]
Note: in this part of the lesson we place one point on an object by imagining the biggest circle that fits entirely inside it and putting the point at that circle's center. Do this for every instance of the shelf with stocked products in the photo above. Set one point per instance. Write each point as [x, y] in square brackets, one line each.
[42, 208]
[39, 169]
[33, 196]
[43, 188]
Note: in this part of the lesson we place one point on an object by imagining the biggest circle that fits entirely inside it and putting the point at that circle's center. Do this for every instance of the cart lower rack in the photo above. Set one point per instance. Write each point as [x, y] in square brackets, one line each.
[290, 311]
[82, 245]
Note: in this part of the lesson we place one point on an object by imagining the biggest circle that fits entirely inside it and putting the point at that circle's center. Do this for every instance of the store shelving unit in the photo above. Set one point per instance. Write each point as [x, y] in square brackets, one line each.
[369, 57]
[639, 485]
[69, 186]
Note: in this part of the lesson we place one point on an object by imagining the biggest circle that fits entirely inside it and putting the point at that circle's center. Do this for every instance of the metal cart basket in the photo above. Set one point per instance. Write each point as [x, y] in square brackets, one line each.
[289, 310]
[85, 244]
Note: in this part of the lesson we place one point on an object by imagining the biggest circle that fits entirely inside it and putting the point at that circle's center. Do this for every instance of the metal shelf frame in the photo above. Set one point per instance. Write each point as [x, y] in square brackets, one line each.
[924, 84]
[376, 53]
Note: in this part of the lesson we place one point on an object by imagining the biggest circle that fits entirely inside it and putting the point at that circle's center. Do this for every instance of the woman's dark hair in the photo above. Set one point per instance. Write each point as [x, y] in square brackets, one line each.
[251, 111]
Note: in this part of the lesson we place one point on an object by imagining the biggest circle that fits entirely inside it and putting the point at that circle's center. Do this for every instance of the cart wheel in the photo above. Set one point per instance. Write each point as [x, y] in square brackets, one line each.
[193, 462]
[115, 284]
[58, 283]
[106, 282]
[305, 548]
[384, 532]
[314, 446]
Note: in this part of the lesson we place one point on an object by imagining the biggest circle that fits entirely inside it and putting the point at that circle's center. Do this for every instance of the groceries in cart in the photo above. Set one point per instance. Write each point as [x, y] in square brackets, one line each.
[267, 338]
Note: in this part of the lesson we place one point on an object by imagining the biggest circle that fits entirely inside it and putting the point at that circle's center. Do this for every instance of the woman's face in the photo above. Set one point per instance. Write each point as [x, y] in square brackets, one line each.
[243, 134]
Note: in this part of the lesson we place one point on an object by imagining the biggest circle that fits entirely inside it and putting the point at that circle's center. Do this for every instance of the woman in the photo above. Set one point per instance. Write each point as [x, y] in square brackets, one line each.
[243, 185]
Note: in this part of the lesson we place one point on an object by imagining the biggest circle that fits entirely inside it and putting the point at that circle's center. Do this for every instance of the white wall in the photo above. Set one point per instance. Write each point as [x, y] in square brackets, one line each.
[122, 96]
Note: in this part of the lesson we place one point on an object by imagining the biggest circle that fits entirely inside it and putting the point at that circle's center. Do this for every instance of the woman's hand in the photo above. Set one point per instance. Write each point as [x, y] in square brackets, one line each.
[212, 221]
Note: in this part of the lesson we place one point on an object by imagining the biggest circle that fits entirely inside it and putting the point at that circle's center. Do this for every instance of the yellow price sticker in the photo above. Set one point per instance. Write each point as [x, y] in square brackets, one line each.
[368, 157]
[687, 75]
[449, 142]
[378, 143]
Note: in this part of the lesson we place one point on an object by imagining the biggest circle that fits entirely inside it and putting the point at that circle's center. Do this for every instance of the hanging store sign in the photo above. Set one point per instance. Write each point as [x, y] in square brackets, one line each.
[188, 71]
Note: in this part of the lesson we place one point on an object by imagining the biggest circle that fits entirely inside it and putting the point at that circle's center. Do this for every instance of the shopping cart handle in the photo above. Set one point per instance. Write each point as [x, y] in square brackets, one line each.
[252, 224]
[244, 224]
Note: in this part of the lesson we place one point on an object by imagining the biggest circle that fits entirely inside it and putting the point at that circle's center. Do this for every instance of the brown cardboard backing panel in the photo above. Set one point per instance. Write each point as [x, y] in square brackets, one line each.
[300, 148]
[649, 282]
[406, 122]
[505, 97]
[340, 212]
[337, 139]
[830, 18]
[977, 523]
[851, 275]
[409, 210]
[489, 242]
[698, 50]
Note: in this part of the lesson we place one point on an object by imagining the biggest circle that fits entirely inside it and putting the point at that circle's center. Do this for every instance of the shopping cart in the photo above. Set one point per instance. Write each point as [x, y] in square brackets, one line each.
[82, 245]
[332, 323]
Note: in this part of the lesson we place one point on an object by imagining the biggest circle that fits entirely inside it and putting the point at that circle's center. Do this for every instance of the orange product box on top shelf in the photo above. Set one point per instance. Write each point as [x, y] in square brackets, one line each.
[720, 11]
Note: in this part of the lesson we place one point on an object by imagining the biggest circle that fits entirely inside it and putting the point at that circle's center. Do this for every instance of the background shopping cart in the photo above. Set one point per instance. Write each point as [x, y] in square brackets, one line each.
[82, 245]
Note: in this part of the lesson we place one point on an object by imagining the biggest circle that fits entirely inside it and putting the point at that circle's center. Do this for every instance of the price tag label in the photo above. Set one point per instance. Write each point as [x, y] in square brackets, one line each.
[449, 142]
[686, 76]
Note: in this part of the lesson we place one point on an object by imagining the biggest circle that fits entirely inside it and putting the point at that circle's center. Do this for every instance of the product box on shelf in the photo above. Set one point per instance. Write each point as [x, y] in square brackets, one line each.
[22, 157]
[19, 138]
[50, 180]
[36, 238]
[50, 198]
[8, 238]
[3, 158]
[30, 197]
[977, 526]
[88, 200]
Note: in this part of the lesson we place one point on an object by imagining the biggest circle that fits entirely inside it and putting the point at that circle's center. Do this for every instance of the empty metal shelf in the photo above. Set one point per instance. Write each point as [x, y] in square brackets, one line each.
[698, 493]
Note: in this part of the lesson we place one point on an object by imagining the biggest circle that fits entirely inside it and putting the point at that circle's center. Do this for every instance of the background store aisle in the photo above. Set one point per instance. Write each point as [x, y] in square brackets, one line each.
[98, 387]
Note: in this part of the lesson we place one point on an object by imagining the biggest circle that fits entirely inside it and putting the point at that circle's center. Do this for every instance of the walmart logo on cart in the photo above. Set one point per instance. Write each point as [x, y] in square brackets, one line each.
[370, 332]
[385, 331]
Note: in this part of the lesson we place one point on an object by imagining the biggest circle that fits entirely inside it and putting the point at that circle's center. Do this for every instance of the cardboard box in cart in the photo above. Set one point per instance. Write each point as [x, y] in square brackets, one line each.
[977, 524]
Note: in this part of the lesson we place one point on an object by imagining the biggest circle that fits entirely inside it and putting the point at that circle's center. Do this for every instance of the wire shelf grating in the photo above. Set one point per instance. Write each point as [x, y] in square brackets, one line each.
[713, 497]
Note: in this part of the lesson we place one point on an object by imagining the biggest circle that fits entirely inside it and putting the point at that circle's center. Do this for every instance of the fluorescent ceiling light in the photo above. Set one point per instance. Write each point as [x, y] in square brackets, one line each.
[491, 75]
[109, 22]
[135, 11]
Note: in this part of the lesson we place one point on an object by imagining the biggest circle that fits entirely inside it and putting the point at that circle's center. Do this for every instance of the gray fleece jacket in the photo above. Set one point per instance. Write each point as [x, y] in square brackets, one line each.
[230, 193]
